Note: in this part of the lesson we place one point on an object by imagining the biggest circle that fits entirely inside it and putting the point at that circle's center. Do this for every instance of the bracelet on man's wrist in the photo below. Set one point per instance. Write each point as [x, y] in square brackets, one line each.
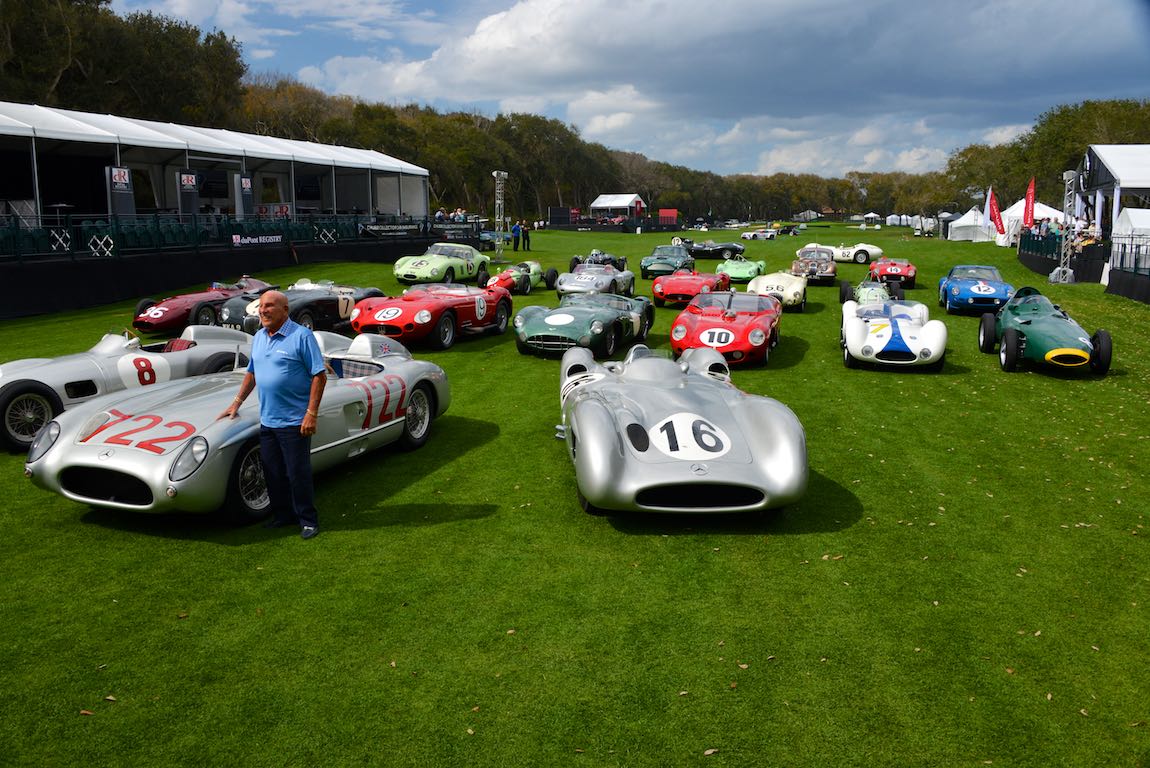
[310, 412]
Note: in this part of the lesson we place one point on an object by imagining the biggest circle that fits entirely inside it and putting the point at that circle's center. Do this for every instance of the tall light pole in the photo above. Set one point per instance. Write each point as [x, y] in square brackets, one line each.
[500, 185]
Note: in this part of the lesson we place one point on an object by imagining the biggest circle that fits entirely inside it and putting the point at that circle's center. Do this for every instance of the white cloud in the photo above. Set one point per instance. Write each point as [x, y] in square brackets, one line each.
[1004, 134]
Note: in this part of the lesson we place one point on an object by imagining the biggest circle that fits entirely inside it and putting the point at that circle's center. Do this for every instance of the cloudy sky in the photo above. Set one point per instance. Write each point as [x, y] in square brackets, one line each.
[733, 86]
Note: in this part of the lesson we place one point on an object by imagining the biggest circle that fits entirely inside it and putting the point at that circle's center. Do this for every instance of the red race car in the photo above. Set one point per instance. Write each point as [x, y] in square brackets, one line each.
[175, 312]
[898, 271]
[437, 312]
[682, 285]
[743, 327]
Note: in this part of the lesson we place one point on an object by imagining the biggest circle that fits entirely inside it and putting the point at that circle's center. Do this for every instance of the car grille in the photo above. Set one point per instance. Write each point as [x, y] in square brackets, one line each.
[680, 298]
[896, 356]
[690, 497]
[550, 342]
[106, 485]
[982, 301]
[1069, 359]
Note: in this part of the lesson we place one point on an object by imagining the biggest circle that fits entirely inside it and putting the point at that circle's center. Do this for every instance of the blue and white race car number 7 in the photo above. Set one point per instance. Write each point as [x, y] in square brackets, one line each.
[690, 437]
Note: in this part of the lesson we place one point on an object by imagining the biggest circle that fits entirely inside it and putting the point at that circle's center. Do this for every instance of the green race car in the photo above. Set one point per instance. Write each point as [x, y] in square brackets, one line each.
[869, 292]
[741, 269]
[1030, 327]
[444, 263]
[602, 322]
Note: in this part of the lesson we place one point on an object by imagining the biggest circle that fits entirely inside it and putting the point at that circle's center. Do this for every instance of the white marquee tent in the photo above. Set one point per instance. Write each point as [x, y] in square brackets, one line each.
[1012, 220]
[969, 227]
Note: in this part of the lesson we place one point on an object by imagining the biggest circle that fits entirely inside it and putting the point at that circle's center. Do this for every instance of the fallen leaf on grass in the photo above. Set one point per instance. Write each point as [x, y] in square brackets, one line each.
[470, 732]
[109, 698]
[744, 666]
[86, 712]
[182, 615]
[682, 693]
[734, 685]
[511, 631]
[709, 752]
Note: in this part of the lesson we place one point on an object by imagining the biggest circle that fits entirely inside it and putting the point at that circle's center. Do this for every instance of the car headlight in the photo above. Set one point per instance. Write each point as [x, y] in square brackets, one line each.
[189, 459]
[706, 289]
[596, 327]
[658, 288]
[797, 295]
[44, 440]
[924, 354]
[867, 351]
[433, 272]
[679, 332]
[423, 316]
[92, 424]
[954, 291]
[354, 314]
[757, 337]
[518, 321]
[225, 313]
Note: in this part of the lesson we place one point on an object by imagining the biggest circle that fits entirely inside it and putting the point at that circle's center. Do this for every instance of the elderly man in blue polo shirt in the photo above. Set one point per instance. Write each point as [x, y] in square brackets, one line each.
[287, 369]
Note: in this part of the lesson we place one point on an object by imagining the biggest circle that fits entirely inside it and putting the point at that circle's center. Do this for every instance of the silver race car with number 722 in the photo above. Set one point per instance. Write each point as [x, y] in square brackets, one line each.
[33, 391]
[164, 448]
[652, 434]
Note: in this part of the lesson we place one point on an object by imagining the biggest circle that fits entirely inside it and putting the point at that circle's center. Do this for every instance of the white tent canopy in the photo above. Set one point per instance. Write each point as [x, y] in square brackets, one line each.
[1041, 211]
[616, 201]
[1133, 221]
[969, 227]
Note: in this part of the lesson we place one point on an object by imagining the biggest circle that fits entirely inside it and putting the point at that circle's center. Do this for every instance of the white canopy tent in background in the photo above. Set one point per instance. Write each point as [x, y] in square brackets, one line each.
[1130, 239]
[871, 217]
[1111, 170]
[1012, 220]
[356, 178]
[629, 202]
[969, 227]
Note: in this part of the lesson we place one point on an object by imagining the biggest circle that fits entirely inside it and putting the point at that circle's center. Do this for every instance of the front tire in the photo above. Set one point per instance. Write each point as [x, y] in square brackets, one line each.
[25, 409]
[575, 261]
[645, 325]
[449, 275]
[610, 339]
[220, 362]
[502, 316]
[143, 305]
[248, 499]
[987, 333]
[550, 278]
[417, 418]
[1008, 350]
[306, 319]
[444, 335]
[1103, 349]
[845, 292]
[204, 314]
[861, 257]
[849, 361]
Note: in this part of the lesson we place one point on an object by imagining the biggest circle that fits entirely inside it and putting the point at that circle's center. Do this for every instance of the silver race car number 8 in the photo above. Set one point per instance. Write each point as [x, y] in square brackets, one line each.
[690, 437]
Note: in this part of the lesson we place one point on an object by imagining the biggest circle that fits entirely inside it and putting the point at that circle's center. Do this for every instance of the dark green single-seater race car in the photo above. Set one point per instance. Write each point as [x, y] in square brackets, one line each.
[602, 322]
[1030, 327]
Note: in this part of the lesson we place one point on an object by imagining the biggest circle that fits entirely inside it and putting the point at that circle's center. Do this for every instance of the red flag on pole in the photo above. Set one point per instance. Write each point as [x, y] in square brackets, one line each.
[995, 214]
[1028, 210]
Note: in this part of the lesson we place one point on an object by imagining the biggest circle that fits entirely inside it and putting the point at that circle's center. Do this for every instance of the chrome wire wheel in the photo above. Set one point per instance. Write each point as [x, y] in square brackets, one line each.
[25, 415]
[252, 486]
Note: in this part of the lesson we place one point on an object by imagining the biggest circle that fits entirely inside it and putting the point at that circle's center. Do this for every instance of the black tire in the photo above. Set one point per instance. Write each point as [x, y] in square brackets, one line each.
[550, 278]
[220, 362]
[306, 318]
[845, 292]
[1103, 349]
[802, 304]
[987, 333]
[444, 334]
[613, 287]
[247, 499]
[942, 297]
[1008, 350]
[524, 349]
[502, 318]
[849, 361]
[449, 275]
[610, 340]
[203, 314]
[658, 301]
[25, 408]
[525, 283]
[575, 261]
[910, 284]
[896, 293]
[861, 257]
[481, 277]
[418, 417]
[143, 305]
[726, 254]
[645, 324]
[590, 508]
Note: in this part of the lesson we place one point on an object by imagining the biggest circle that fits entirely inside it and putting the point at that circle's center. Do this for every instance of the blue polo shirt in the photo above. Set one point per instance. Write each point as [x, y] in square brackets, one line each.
[284, 363]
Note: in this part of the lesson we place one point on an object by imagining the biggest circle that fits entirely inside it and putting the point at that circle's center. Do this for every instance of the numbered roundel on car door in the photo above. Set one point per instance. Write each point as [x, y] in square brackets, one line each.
[689, 437]
[480, 307]
[142, 370]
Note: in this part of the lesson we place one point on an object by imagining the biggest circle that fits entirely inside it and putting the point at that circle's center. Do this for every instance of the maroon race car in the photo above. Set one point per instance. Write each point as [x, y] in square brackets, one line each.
[437, 312]
[743, 327]
[203, 308]
[682, 285]
[897, 271]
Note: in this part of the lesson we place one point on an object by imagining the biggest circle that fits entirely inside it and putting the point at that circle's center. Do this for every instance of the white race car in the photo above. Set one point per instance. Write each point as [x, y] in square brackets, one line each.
[760, 234]
[892, 333]
[859, 253]
[789, 289]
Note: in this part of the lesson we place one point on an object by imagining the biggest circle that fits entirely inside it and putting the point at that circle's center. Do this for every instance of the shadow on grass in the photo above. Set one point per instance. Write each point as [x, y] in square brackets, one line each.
[385, 472]
[827, 506]
[789, 353]
[813, 307]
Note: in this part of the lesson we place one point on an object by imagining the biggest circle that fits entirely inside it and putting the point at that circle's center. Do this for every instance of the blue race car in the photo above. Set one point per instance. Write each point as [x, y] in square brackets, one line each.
[972, 287]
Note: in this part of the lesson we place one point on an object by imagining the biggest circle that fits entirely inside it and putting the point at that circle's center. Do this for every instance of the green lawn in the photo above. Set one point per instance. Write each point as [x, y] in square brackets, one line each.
[966, 581]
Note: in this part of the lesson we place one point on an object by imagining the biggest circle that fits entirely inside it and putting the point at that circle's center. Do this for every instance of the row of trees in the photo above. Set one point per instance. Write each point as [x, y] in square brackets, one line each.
[80, 55]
